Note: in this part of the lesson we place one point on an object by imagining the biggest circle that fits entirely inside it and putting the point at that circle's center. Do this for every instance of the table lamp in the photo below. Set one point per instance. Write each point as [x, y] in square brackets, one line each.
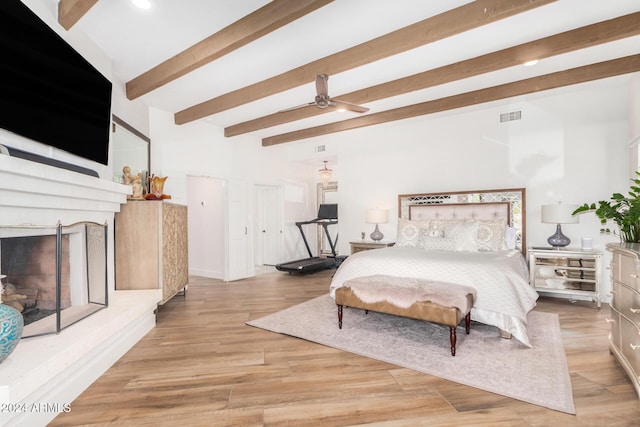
[559, 214]
[377, 216]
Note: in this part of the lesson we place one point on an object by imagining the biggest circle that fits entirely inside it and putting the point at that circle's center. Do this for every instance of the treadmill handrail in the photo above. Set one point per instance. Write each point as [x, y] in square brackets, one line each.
[324, 224]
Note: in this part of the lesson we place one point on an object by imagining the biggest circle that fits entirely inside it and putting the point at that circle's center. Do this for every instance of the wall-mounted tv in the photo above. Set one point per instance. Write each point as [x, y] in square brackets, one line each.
[48, 92]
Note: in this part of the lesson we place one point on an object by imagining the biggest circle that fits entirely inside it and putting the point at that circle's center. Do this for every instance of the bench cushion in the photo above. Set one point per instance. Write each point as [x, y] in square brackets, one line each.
[422, 310]
[404, 292]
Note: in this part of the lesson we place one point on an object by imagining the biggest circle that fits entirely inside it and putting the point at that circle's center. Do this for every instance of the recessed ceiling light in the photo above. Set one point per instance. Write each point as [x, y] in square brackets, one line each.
[531, 63]
[142, 4]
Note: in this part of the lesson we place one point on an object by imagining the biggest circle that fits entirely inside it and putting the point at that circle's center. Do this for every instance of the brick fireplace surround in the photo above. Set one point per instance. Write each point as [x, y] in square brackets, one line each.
[50, 371]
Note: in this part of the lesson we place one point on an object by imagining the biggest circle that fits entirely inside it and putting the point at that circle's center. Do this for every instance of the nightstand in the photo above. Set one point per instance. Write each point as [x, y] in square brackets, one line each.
[365, 245]
[572, 272]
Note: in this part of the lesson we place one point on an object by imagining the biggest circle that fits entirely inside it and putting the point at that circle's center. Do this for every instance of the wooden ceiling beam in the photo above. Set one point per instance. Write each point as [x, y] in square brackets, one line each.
[464, 18]
[70, 11]
[268, 18]
[601, 70]
[580, 38]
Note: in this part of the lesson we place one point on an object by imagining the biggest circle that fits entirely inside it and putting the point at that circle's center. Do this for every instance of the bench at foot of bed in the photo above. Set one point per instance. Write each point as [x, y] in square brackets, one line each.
[429, 311]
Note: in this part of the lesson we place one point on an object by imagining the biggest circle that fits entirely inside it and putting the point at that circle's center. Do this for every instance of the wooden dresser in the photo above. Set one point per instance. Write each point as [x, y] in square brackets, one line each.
[151, 247]
[624, 340]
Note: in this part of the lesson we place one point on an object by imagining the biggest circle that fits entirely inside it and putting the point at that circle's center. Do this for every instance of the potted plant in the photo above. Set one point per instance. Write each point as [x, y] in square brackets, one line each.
[624, 211]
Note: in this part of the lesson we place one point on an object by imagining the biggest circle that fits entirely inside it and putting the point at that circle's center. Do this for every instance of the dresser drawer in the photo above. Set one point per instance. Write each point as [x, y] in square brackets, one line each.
[627, 302]
[624, 268]
[630, 336]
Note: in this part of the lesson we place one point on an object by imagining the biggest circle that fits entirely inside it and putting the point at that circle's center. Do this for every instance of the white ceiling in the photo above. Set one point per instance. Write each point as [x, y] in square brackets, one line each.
[138, 40]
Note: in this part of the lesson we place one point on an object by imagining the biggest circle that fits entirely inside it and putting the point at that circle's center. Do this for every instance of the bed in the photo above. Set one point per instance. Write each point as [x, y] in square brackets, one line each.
[473, 238]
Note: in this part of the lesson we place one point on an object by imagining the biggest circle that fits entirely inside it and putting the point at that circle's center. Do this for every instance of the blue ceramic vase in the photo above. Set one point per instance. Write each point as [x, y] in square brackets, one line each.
[11, 324]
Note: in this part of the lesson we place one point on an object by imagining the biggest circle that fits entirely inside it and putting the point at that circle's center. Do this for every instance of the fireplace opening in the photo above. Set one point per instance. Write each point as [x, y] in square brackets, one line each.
[55, 276]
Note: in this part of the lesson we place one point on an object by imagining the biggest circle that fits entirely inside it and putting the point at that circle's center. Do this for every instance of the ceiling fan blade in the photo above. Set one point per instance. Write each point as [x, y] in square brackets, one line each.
[308, 104]
[348, 106]
[322, 85]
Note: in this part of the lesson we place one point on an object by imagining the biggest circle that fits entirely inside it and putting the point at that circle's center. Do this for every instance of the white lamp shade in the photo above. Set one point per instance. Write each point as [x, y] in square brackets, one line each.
[559, 214]
[377, 216]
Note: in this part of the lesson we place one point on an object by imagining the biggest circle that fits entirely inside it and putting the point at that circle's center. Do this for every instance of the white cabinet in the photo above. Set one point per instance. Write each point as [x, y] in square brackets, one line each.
[571, 272]
[624, 340]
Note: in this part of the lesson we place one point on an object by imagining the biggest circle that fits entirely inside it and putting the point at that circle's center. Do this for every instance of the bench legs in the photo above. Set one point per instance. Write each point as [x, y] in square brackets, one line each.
[452, 332]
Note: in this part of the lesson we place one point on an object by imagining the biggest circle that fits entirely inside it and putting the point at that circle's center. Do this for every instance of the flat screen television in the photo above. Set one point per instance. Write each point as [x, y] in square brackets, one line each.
[48, 92]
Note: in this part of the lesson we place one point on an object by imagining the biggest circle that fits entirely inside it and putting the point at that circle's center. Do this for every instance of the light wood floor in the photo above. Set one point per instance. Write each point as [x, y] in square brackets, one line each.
[202, 366]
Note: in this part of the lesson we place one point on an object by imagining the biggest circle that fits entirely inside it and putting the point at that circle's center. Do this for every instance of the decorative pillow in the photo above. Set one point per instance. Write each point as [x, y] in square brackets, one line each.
[510, 238]
[491, 235]
[438, 243]
[465, 235]
[409, 232]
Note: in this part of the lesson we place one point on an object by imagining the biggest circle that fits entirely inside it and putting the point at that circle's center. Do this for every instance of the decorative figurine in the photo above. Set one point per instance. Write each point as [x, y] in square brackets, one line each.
[135, 181]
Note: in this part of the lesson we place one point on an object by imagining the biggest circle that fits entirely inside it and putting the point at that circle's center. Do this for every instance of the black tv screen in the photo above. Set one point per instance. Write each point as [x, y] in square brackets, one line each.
[48, 92]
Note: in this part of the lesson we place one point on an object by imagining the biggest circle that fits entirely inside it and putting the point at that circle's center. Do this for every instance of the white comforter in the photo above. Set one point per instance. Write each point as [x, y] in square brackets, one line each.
[503, 294]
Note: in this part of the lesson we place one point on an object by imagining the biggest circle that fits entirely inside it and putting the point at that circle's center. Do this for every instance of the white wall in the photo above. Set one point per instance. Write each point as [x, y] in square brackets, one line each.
[572, 145]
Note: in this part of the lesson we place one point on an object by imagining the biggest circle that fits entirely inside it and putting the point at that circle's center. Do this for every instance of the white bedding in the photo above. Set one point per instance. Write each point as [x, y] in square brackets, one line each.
[503, 294]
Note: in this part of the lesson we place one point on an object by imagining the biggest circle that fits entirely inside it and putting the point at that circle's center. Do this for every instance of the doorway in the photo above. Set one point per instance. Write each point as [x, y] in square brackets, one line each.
[206, 201]
[268, 238]
[327, 193]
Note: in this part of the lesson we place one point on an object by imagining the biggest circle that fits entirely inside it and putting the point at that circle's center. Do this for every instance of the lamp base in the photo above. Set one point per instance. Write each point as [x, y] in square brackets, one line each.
[376, 235]
[558, 240]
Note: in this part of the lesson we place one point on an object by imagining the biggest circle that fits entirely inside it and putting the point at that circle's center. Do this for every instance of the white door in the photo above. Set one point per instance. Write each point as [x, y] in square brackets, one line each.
[239, 247]
[206, 198]
[269, 225]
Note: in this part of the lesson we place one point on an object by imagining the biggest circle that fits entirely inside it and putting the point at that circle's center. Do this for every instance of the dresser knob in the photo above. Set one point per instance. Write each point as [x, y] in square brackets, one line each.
[634, 347]
[610, 320]
[634, 310]
[633, 276]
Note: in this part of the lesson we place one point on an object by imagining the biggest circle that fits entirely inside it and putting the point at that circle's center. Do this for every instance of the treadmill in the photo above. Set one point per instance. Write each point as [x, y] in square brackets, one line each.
[327, 215]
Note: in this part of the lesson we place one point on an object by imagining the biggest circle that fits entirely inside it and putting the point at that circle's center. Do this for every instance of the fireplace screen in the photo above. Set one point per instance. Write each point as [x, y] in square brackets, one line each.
[55, 276]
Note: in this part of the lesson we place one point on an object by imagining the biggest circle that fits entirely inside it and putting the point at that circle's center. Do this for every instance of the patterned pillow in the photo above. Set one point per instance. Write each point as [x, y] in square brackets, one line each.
[438, 243]
[491, 235]
[409, 232]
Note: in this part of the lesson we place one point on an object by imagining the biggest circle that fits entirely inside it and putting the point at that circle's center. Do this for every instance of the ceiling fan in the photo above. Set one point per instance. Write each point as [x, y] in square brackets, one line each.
[323, 100]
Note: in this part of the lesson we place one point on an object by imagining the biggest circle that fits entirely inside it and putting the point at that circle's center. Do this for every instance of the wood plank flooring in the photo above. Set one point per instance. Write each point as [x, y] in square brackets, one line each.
[202, 366]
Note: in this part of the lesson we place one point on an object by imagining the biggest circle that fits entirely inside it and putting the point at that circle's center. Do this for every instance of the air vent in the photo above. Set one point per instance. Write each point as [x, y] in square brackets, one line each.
[319, 148]
[510, 116]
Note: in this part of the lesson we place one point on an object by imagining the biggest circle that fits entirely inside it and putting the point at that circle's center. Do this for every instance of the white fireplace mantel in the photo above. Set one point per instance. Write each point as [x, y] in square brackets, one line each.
[36, 194]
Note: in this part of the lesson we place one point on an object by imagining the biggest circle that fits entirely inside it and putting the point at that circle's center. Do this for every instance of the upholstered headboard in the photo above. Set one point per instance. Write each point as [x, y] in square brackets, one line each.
[477, 211]
[478, 205]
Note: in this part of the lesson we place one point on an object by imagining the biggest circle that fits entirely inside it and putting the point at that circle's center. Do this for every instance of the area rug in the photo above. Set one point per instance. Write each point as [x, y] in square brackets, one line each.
[483, 360]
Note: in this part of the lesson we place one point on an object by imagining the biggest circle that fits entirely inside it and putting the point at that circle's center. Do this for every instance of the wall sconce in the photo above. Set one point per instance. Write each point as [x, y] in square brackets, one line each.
[325, 174]
[377, 216]
[559, 214]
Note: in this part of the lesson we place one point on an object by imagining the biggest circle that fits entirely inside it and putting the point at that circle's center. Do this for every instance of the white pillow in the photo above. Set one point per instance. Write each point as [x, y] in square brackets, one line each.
[409, 232]
[510, 238]
[465, 236]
